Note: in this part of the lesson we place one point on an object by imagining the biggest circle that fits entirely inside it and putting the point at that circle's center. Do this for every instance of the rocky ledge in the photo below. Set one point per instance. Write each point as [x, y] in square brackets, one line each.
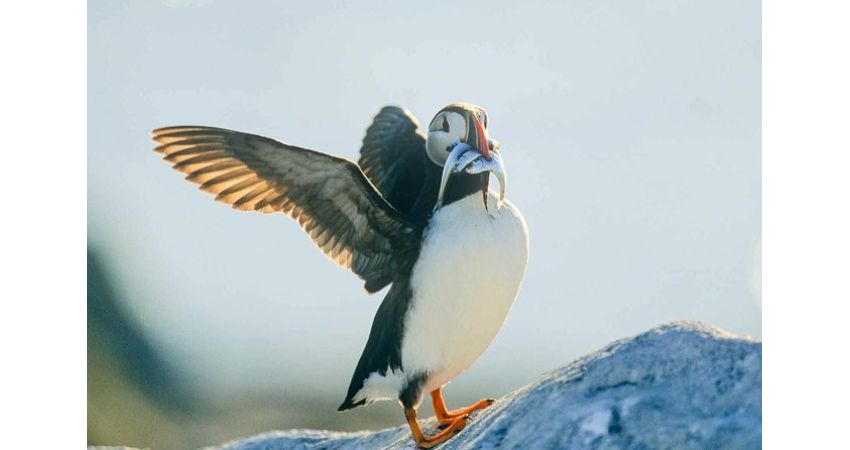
[684, 385]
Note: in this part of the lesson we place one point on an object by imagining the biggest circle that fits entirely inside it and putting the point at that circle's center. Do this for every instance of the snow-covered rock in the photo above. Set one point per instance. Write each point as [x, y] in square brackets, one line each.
[685, 385]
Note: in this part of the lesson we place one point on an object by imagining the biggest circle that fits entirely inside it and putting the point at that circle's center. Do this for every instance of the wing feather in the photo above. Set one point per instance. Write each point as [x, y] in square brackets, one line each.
[393, 156]
[329, 197]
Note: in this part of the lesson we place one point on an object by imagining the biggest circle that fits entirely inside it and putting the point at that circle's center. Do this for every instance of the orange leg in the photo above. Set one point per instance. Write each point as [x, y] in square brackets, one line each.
[428, 442]
[444, 416]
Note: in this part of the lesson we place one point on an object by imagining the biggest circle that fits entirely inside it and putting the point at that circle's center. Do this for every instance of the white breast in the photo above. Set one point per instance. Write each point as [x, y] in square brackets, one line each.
[466, 279]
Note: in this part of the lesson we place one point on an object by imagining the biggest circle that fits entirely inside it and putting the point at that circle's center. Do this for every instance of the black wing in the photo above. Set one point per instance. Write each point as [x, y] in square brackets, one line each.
[393, 156]
[329, 197]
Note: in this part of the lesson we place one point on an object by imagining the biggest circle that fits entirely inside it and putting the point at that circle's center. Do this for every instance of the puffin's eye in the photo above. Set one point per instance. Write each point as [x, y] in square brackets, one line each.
[445, 125]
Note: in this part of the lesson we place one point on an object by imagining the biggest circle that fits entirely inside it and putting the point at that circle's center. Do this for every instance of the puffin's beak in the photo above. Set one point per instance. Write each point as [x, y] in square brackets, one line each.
[476, 136]
[465, 158]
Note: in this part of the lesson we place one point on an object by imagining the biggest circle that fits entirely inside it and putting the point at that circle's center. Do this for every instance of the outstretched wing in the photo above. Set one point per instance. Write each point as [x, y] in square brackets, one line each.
[393, 156]
[329, 197]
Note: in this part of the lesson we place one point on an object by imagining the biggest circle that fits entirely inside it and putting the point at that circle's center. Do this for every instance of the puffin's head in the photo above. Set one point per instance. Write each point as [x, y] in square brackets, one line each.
[458, 142]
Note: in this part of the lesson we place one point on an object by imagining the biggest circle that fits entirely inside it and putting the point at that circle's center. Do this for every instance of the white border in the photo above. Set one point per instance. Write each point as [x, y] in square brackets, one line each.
[806, 248]
[43, 223]
[806, 175]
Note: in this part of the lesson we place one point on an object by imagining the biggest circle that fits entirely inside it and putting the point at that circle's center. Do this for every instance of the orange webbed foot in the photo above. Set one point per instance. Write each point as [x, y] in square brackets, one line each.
[422, 441]
[445, 417]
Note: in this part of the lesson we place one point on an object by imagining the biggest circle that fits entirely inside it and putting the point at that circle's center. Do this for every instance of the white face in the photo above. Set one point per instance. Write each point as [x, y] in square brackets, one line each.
[446, 128]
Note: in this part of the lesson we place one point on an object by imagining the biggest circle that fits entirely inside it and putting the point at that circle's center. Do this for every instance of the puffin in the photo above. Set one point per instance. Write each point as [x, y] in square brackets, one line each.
[416, 213]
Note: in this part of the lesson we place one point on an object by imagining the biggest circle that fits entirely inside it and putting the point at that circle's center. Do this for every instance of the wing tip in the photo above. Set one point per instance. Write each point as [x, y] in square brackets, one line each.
[373, 285]
[164, 135]
[172, 128]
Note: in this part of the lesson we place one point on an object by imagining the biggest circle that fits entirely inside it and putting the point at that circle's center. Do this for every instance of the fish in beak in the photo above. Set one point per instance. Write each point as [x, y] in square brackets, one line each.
[473, 157]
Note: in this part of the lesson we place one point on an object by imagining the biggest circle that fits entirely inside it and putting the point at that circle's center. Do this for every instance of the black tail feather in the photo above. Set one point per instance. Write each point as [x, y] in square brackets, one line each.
[348, 404]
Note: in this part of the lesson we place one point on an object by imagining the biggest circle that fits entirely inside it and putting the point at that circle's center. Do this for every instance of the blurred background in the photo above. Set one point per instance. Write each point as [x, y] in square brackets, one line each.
[631, 131]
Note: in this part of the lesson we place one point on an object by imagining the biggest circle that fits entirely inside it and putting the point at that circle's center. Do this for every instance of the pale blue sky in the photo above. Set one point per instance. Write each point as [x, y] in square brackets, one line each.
[630, 130]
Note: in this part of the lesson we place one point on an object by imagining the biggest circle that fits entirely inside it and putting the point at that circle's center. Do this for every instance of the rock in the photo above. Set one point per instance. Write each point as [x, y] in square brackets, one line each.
[684, 385]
